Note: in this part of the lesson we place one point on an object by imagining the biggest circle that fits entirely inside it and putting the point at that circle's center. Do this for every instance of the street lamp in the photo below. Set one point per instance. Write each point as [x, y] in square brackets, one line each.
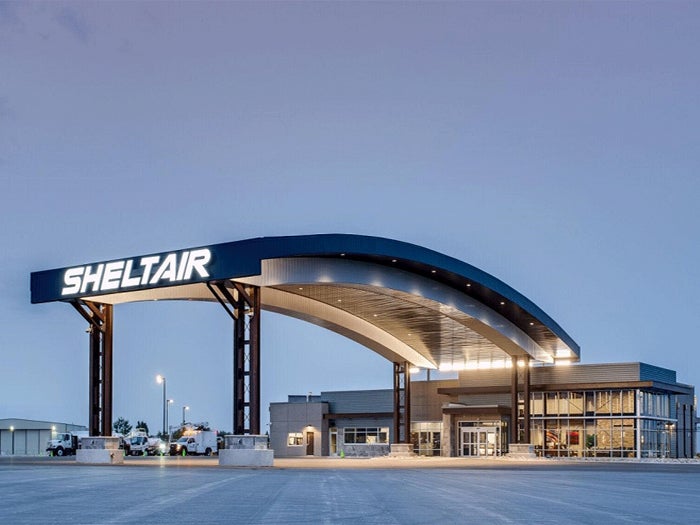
[183, 413]
[167, 418]
[12, 431]
[161, 380]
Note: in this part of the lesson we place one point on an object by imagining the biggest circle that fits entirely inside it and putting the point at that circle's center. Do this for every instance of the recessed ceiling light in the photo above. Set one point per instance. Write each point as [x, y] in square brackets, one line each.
[433, 271]
[340, 300]
[469, 284]
[532, 324]
[300, 288]
[502, 303]
[342, 255]
[393, 260]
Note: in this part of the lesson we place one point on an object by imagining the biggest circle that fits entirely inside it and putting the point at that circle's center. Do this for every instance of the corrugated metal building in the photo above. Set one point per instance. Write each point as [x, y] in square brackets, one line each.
[26, 437]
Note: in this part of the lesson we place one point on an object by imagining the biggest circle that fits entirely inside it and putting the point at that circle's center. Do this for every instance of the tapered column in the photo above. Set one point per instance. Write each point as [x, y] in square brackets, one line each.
[100, 318]
[514, 401]
[526, 400]
[242, 303]
[402, 403]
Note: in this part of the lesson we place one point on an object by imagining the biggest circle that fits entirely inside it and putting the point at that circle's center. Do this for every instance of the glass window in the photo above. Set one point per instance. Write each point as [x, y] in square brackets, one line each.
[551, 437]
[591, 443]
[576, 403]
[628, 401]
[537, 407]
[552, 404]
[366, 436]
[628, 441]
[590, 403]
[425, 437]
[602, 403]
[603, 437]
[616, 404]
[295, 439]
[563, 403]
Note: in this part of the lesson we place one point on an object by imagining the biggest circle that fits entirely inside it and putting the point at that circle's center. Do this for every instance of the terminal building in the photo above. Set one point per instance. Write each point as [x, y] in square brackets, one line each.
[627, 410]
[516, 386]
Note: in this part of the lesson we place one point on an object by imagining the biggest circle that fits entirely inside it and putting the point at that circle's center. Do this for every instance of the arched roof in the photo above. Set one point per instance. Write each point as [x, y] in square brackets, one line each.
[401, 300]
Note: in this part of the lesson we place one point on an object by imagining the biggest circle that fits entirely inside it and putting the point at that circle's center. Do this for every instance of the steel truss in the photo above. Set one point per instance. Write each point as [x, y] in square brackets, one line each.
[242, 304]
[515, 435]
[100, 319]
[402, 403]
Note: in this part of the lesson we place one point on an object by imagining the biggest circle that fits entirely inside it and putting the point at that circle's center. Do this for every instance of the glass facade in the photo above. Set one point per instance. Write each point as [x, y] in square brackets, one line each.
[425, 437]
[601, 423]
[482, 438]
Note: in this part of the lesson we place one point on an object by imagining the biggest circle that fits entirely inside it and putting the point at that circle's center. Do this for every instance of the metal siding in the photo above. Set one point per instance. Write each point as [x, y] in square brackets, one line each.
[426, 404]
[585, 373]
[485, 399]
[364, 423]
[359, 401]
[33, 442]
[488, 377]
[655, 373]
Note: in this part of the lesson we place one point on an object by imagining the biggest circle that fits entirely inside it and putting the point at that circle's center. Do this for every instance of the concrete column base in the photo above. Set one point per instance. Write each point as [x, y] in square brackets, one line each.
[100, 456]
[521, 450]
[244, 457]
[401, 450]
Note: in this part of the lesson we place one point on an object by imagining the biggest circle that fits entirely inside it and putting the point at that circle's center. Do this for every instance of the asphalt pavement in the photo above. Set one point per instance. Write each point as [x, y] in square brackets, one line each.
[333, 490]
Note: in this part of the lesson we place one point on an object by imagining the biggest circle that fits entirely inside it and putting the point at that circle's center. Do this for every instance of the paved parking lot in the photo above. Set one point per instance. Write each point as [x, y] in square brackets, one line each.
[196, 490]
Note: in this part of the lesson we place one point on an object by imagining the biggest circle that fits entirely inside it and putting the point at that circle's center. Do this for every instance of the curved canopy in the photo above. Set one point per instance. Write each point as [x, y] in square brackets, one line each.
[403, 301]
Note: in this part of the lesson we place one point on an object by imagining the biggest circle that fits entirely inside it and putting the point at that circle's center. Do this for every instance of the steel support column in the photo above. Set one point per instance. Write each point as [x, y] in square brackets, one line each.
[514, 434]
[526, 400]
[244, 310]
[100, 319]
[402, 403]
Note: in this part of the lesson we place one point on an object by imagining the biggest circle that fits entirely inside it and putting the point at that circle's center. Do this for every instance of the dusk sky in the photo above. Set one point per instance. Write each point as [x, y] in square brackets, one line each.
[554, 145]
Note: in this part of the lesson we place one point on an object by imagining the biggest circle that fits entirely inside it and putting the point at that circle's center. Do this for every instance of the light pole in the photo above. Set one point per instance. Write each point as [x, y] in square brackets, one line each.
[161, 380]
[12, 431]
[183, 413]
[167, 417]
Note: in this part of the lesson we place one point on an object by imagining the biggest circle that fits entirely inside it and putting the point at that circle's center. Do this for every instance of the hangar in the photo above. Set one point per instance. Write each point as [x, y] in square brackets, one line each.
[412, 305]
[28, 437]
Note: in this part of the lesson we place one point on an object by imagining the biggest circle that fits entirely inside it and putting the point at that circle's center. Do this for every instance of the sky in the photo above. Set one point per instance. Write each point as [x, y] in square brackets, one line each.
[553, 145]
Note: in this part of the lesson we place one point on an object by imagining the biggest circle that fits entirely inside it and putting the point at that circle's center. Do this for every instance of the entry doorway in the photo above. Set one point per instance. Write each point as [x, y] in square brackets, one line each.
[309, 443]
[480, 441]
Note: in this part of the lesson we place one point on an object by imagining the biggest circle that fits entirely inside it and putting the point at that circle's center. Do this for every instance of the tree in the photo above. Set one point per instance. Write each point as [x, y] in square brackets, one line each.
[143, 425]
[122, 426]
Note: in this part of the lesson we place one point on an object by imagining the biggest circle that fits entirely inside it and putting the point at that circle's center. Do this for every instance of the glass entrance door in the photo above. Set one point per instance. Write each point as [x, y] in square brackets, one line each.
[480, 441]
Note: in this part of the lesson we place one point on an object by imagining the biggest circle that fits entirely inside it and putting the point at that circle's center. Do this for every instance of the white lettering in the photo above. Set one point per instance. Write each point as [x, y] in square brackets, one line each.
[127, 279]
[183, 265]
[167, 270]
[176, 267]
[112, 275]
[198, 260]
[72, 280]
[92, 278]
[147, 263]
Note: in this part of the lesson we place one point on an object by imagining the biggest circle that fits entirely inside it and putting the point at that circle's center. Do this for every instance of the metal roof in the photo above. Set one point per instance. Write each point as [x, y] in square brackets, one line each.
[399, 299]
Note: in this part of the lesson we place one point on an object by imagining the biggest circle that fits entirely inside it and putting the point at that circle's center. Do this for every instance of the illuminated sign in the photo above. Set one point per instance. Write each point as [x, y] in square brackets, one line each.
[151, 270]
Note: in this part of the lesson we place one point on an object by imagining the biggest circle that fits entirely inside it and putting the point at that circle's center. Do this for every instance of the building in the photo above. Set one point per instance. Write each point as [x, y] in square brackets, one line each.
[27, 437]
[631, 410]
